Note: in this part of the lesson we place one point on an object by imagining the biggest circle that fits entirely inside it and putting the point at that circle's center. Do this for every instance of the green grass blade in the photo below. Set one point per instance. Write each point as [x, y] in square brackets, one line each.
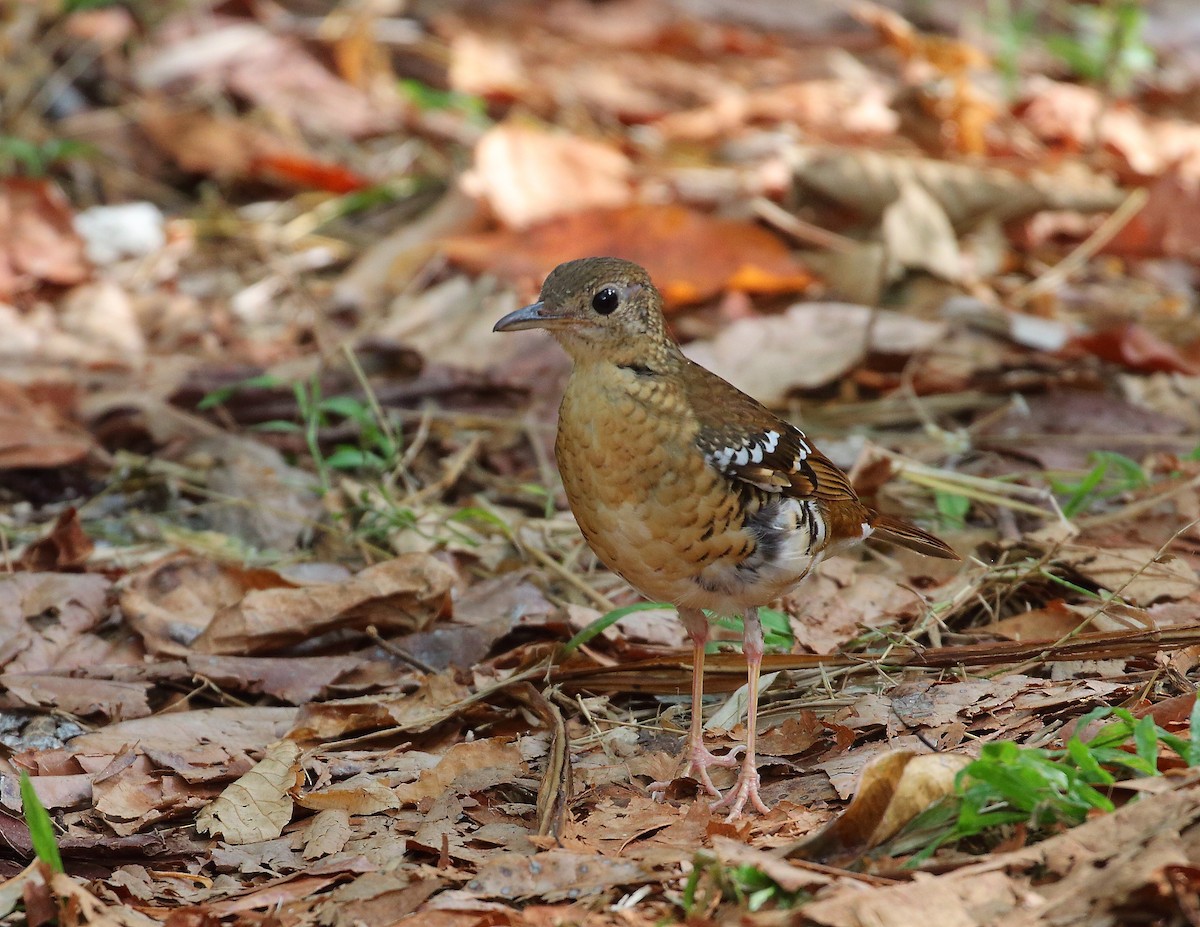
[607, 621]
[41, 828]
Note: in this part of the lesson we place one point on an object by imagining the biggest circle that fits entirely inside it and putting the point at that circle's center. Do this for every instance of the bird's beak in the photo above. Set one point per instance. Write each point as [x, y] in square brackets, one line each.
[537, 315]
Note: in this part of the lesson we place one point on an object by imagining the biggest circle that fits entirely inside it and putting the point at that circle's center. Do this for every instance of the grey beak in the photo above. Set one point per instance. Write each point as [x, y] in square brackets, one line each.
[532, 316]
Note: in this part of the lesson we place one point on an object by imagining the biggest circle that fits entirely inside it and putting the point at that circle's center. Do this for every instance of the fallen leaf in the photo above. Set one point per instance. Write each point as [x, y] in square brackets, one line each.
[67, 547]
[691, 256]
[554, 875]
[259, 805]
[808, 346]
[361, 794]
[893, 789]
[35, 434]
[38, 241]
[1132, 572]
[403, 594]
[1133, 347]
[499, 753]
[528, 175]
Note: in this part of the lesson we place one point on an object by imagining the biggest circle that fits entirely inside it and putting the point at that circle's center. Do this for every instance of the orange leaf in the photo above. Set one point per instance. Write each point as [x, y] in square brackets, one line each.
[691, 255]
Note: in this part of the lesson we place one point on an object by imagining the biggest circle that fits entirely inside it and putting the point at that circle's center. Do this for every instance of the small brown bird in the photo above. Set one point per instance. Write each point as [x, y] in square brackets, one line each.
[692, 491]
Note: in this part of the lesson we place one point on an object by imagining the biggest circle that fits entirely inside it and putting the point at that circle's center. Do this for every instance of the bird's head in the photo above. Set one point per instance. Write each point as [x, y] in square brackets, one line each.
[598, 306]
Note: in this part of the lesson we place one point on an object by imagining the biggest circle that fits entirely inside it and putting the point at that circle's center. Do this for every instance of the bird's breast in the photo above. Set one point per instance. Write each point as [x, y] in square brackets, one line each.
[656, 512]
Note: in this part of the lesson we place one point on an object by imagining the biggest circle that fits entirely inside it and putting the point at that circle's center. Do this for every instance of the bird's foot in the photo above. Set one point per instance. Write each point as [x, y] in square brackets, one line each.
[700, 760]
[744, 790]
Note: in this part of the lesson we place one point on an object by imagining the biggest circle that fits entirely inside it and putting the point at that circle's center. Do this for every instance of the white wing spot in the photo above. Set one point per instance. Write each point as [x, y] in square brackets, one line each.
[743, 457]
[756, 455]
[770, 440]
[867, 529]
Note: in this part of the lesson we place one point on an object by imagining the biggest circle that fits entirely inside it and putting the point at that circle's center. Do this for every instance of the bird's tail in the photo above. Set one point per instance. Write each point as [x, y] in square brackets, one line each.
[897, 531]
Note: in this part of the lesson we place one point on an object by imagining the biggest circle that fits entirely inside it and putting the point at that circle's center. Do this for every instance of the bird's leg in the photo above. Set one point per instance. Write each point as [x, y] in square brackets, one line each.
[699, 759]
[746, 787]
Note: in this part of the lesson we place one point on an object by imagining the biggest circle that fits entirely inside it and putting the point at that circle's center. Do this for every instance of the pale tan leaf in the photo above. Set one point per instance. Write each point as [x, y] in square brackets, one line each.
[360, 794]
[870, 181]
[893, 789]
[919, 236]
[259, 805]
[1133, 571]
[495, 752]
[328, 832]
[529, 175]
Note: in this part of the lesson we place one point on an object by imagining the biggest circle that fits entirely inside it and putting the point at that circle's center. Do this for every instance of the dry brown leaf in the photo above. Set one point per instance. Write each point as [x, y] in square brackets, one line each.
[73, 606]
[439, 697]
[327, 833]
[225, 732]
[1091, 874]
[111, 699]
[528, 175]
[918, 235]
[80, 907]
[295, 680]
[361, 794]
[472, 758]
[870, 181]
[171, 602]
[66, 547]
[273, 71]
[38, 242]
[555, 875]
[259, 805]
[841, 599]
[1135, 348]
[403, 594]
[808, 346]
[1080, 117]
[893, 789]
[1133, 571]
[35, 434]
[691, 256]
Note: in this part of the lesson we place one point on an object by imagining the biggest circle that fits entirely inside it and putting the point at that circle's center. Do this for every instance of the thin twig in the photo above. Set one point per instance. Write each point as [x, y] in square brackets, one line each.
[1108, 229]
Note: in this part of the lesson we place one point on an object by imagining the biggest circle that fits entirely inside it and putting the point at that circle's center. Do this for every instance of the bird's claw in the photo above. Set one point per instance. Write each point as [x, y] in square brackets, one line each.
[744, 790]
[699, 762]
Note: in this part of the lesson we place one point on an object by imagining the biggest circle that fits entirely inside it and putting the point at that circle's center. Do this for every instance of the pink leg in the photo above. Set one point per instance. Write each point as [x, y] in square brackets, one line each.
[746, 787]
[699, 757]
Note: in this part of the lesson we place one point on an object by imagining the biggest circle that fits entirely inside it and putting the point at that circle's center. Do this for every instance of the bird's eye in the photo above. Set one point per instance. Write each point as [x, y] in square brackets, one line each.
[606, 300]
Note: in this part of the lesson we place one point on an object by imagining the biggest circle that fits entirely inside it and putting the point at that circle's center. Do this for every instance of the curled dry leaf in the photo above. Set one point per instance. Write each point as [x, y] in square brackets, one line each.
[894, 789]
[259, 805]
[404, 594]
[529, 175]
[188, 604]
[66, 547]
[869, 182]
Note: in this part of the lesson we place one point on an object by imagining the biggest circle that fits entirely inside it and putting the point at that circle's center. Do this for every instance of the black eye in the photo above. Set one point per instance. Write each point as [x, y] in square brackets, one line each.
[606, 300]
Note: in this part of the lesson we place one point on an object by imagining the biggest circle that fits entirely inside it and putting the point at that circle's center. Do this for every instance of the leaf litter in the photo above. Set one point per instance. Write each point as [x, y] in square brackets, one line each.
[290, 574]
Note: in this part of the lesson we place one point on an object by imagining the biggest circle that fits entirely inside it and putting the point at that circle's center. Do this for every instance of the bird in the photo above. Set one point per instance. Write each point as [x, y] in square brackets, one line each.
[689, 489]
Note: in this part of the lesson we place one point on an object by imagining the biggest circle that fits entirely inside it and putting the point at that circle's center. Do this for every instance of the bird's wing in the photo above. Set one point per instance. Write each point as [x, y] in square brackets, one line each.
[748, 443]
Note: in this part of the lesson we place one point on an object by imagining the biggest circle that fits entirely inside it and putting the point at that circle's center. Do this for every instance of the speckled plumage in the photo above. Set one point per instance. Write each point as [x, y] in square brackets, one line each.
[691, 490]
